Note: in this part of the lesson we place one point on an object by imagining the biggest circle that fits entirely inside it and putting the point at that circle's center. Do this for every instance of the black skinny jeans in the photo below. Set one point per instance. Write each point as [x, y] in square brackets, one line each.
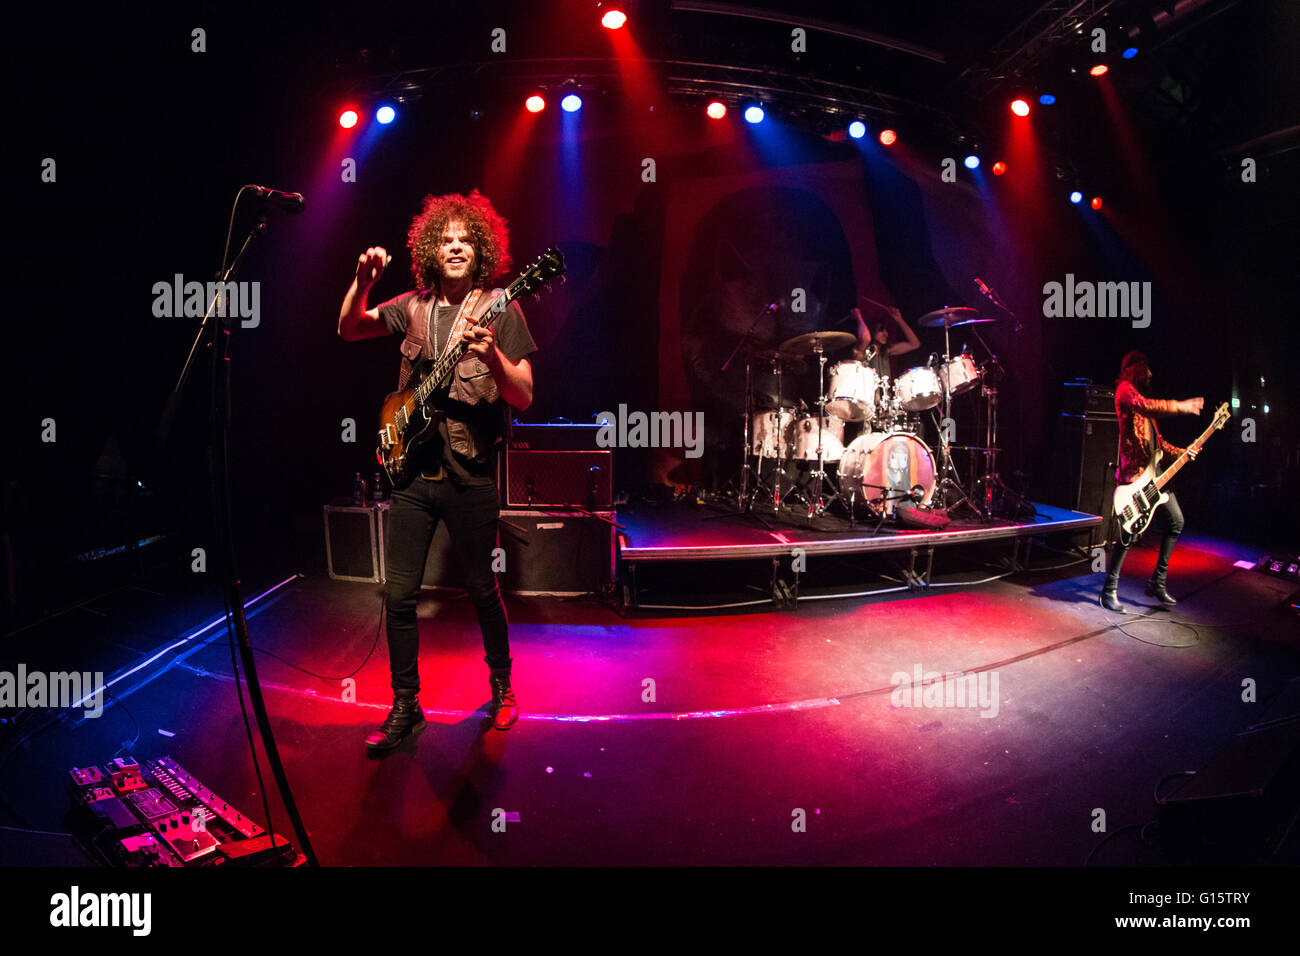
[1168, 520]
[471, 513]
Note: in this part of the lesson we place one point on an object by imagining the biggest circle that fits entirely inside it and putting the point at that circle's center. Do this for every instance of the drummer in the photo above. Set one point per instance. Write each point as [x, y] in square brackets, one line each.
[873, 345]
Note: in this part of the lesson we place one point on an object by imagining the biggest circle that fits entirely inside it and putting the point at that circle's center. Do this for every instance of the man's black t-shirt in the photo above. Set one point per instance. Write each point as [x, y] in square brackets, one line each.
[515, 342]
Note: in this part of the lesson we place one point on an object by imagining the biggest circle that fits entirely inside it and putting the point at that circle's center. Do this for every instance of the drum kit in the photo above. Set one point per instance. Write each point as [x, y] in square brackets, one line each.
[887, 466]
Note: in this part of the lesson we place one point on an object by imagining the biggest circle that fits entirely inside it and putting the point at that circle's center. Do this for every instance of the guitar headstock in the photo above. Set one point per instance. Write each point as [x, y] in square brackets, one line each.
[539, 273]
[1221, 415]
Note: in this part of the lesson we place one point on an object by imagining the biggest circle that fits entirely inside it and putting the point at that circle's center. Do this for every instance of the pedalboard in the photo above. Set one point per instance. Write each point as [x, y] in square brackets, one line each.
[158, 814]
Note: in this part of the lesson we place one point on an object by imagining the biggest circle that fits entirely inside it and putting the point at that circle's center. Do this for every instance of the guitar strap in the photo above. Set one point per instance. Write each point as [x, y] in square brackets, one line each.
[463, 318]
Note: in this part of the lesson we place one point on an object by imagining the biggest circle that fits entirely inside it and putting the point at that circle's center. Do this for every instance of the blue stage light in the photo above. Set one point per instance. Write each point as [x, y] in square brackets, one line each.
[385, 115]
[571, 103]
[1076, 196]
[754, 114]
[1047, 99]
[857, 129]
[1130, 53]
[972, 162]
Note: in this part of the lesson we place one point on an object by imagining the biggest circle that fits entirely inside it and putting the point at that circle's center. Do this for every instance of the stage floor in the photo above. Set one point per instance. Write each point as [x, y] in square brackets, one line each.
[686, 533]
[694, 740]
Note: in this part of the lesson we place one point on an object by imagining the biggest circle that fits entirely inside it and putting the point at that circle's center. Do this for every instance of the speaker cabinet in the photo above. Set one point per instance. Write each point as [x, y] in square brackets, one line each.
[1092, 443]
[559, 479]
[560, 553]
[352, 548]
[556, 466]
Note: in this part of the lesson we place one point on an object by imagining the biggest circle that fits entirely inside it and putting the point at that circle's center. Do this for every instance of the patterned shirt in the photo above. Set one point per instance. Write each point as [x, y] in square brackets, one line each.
[1138, 435]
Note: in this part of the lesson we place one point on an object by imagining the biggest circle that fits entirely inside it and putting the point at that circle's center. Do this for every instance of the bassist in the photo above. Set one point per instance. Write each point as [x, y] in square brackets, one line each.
[457, 244]
[1140, 443]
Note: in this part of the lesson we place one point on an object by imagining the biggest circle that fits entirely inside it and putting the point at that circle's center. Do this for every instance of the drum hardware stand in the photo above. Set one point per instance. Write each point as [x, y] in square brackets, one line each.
[817, 505]
[744, 499]
[948, 482]
[992, 477]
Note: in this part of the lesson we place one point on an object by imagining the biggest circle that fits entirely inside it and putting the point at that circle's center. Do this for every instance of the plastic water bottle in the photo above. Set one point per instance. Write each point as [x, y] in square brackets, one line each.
[378, 490]
[359, 490]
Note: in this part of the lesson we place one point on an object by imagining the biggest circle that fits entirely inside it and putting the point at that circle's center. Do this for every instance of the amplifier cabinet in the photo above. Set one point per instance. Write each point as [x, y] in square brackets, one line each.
[1092, 442]
[353, 551]
[544, 552]
[556, 466]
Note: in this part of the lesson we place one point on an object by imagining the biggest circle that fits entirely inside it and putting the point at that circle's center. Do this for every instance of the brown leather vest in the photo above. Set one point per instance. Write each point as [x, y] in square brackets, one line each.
[471, 382]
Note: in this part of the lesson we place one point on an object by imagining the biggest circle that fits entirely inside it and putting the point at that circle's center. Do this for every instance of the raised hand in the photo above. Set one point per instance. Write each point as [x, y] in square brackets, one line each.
[370, 265]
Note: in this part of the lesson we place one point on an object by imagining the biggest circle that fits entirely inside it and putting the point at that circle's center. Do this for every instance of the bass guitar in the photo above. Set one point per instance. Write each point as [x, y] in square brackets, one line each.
[409, 417]
[1136, 502]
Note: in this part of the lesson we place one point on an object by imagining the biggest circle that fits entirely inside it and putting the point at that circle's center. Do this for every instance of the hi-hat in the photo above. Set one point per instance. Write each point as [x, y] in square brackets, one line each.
[772, 356]
[811, 342]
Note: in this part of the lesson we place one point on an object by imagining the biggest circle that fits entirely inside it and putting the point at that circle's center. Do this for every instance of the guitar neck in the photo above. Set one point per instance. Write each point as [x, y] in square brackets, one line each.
[1167, 475]
[443, 367]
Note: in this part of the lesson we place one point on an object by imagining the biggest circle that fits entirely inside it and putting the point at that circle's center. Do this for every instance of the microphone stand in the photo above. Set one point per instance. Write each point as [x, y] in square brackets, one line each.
[215, 330]
[992, 476]
[744, 502]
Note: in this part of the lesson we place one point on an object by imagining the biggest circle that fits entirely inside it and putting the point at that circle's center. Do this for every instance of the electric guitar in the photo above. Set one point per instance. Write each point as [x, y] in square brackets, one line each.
[409, 417]
[1136, 502]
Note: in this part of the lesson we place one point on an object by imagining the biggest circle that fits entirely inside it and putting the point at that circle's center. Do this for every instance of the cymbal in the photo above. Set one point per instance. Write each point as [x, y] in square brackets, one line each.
[971, 322]
[811, 342]
[792, 362]
[941, 317]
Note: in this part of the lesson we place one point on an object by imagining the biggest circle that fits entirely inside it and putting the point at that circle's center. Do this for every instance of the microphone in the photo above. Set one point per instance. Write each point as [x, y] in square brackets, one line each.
[289, 202]
[983, 287]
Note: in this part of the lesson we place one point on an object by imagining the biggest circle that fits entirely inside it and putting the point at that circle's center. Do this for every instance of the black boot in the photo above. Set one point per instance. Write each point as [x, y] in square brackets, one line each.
[1156, 586]
[504, 711]
[1110, 590]
[404, 719]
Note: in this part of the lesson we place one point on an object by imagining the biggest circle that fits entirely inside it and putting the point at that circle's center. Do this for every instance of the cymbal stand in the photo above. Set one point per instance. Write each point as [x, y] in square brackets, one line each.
[949, 486]
[817, 504]
[992, 478]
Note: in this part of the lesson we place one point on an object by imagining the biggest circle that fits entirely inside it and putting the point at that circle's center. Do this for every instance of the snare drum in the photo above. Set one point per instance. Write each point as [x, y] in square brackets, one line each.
[959, 374]
[767, 426]
[852, 395]
[883, 468]
[801, 438]
[917, 389]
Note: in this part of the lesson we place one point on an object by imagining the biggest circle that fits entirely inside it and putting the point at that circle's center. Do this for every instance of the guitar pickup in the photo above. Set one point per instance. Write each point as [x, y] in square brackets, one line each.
[386, 439]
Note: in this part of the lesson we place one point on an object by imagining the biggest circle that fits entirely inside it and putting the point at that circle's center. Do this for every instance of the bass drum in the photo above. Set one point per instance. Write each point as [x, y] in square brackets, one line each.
[882, 468]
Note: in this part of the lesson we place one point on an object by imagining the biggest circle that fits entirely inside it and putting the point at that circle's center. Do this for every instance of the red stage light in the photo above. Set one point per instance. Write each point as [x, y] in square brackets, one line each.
[1020, 107]
[999, 168]
[1096, 202]
[613, 19]
[348, 119]
[888, 137]
[1098, 70]
[535, 104]
[716, 110]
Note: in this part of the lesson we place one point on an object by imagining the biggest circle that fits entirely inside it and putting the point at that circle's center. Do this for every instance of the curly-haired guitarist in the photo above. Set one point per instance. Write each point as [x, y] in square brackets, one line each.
[457, 244]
